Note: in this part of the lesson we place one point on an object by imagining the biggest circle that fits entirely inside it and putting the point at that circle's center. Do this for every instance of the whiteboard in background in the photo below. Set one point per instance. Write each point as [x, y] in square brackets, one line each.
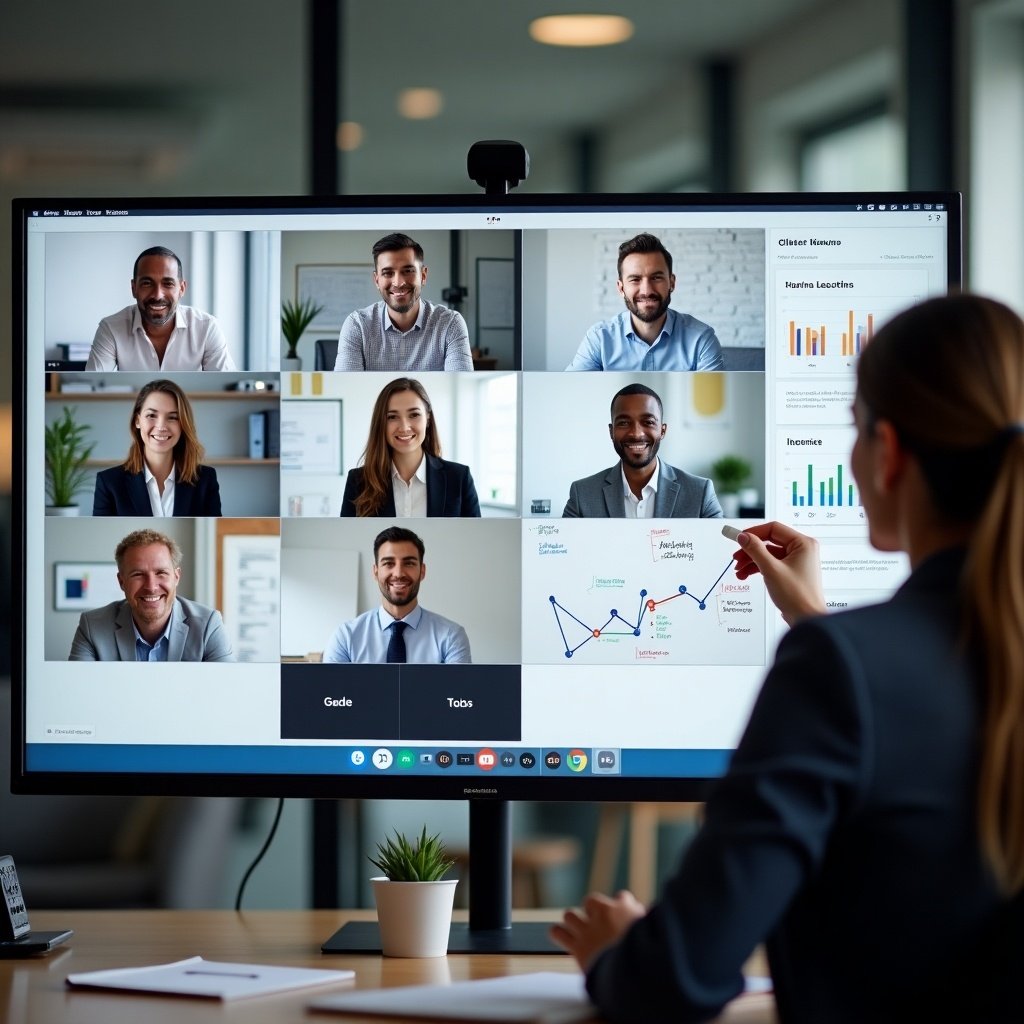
[319, 591]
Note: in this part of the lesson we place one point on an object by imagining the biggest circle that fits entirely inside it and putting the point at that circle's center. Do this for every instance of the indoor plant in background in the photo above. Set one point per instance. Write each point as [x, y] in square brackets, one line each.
[414, 899]
[66, 452]
[730, 473]
[295, 318]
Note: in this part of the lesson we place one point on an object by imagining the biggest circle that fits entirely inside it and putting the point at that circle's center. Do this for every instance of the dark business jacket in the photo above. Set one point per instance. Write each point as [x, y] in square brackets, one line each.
[845, 834]
[450, 491]
[120, 493]
[680, 495]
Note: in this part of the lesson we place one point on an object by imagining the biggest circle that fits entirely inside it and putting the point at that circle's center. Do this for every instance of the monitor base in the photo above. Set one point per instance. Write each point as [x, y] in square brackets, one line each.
[524, 937]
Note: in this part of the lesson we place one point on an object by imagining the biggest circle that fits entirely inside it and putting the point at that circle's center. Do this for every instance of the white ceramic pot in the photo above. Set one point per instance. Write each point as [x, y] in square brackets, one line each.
[730, 505]
[62, 510]
[293, 365]
[414, 917]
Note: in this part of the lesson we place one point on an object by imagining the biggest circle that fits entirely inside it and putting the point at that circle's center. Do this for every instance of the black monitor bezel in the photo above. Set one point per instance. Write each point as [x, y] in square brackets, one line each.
[390, 785]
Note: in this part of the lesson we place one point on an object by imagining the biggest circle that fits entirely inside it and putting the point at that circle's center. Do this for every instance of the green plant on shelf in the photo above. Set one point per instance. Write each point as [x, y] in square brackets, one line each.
[67, 450]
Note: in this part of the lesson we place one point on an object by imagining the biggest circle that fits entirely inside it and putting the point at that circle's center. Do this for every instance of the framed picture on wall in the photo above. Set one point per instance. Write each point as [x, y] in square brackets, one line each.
[311, 436]
[79, 586]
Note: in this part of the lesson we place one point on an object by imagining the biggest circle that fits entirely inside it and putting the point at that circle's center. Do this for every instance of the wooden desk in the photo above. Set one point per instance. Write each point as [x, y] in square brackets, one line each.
[32, 991]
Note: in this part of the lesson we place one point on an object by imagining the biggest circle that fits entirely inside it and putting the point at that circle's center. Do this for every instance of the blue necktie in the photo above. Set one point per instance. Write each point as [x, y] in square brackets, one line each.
[396, 645]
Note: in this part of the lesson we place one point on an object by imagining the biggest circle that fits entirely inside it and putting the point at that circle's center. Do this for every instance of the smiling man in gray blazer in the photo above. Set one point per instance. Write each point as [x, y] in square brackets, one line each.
[640, 485]
[152, 623]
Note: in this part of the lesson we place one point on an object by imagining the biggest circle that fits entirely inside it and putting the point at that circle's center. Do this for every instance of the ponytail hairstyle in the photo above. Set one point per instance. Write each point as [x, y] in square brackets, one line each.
[376, 457]
[188, 452]
[949, 376]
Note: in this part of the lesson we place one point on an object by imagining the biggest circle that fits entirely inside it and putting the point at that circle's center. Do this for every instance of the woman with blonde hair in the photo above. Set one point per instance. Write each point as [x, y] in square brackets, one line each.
[402, 473]
[163, 474]
[870, 827]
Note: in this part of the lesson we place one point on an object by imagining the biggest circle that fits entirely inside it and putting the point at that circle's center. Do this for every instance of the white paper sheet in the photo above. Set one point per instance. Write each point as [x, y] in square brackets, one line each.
[542, 998]
[208, 979]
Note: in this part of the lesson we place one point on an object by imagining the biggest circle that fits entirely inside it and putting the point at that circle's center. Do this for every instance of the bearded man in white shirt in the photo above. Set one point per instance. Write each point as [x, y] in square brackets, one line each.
[158, 333]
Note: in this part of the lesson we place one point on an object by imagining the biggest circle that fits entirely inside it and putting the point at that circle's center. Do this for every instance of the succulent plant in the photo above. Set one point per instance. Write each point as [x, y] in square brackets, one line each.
[425, 860]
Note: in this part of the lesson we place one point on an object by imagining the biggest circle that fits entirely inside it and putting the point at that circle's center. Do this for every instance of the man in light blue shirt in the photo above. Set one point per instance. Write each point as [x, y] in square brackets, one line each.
[648, 335]
[400, 630]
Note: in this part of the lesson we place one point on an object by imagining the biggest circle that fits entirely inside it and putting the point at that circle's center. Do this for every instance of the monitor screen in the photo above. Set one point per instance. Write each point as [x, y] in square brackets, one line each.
[547, 538]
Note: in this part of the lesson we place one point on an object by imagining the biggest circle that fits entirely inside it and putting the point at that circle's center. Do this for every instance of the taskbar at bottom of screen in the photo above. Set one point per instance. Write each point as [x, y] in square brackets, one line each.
[383, 758]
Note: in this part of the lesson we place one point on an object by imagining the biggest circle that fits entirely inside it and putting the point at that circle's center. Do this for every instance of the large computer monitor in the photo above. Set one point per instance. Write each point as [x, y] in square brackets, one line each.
[596, 657]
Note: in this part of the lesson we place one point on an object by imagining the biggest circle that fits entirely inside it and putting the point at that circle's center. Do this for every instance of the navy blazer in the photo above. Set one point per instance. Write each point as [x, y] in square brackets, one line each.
[120, 493]
[845, 835]
[450, 491]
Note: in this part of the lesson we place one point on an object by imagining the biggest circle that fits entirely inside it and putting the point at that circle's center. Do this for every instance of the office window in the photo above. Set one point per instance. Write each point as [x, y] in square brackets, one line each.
[864, 151]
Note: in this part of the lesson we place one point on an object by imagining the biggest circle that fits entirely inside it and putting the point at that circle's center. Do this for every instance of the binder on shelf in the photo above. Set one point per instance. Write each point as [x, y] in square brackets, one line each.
[265, 434]
[272, 433]
[257, 436]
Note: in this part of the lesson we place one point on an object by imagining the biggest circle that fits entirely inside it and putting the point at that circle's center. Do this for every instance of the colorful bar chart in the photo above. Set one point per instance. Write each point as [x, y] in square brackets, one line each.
[809, 341]
[830, 491]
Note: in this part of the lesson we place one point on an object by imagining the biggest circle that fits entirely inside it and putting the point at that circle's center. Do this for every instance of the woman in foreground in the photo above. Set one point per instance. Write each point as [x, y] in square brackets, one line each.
[163, 474]
[870, 828]
[403, 474]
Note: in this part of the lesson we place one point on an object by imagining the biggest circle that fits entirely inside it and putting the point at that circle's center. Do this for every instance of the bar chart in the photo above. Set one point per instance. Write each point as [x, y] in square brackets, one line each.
[815, 481]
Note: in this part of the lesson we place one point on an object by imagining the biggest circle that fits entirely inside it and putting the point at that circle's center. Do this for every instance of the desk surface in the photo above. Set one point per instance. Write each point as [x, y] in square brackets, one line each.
[32, 991]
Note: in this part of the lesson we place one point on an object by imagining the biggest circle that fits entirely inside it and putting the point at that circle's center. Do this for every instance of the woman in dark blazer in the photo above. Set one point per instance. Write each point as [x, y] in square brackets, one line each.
[403, 474]
[870, 827]
[163, 474]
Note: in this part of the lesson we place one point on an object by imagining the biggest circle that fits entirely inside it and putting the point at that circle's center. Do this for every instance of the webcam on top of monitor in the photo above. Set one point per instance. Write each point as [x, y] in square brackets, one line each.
[498, 165]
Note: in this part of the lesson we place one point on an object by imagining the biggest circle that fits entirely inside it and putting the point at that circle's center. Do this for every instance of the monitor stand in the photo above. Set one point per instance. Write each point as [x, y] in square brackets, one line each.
[490, 928]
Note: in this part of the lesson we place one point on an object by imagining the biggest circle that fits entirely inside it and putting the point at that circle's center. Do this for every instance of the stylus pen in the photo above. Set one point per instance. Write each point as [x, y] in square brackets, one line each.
[223, 974]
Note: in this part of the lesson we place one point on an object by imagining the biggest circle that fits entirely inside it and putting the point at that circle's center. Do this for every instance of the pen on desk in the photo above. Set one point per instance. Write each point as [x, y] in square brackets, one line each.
[223, 974]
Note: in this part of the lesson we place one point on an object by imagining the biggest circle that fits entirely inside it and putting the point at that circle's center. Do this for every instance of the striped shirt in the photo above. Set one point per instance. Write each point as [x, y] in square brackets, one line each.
[439, 340]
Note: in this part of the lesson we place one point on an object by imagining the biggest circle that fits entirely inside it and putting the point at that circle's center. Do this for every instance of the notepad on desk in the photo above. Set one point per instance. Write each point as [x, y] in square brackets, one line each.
[208, 979]
[540, 998]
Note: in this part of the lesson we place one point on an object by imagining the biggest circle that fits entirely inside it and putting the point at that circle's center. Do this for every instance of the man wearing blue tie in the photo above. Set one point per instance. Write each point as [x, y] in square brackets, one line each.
[400, 630]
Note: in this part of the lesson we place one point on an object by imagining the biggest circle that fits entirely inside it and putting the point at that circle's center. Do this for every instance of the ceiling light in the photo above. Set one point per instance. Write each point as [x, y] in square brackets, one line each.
[349, 136]
[420, 104]
[581, 29]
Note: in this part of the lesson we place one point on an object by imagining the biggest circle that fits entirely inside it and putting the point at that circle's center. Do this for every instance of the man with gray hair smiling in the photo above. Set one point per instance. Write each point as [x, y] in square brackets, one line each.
[152, 623]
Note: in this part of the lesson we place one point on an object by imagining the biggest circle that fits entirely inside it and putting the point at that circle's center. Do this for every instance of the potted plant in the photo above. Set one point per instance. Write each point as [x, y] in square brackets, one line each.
[66, 453]
[414, 899]
[730, 473]
[295, 318]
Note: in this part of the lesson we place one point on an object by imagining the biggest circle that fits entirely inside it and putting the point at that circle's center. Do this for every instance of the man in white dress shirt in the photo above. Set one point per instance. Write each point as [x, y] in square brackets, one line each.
[158, 333]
